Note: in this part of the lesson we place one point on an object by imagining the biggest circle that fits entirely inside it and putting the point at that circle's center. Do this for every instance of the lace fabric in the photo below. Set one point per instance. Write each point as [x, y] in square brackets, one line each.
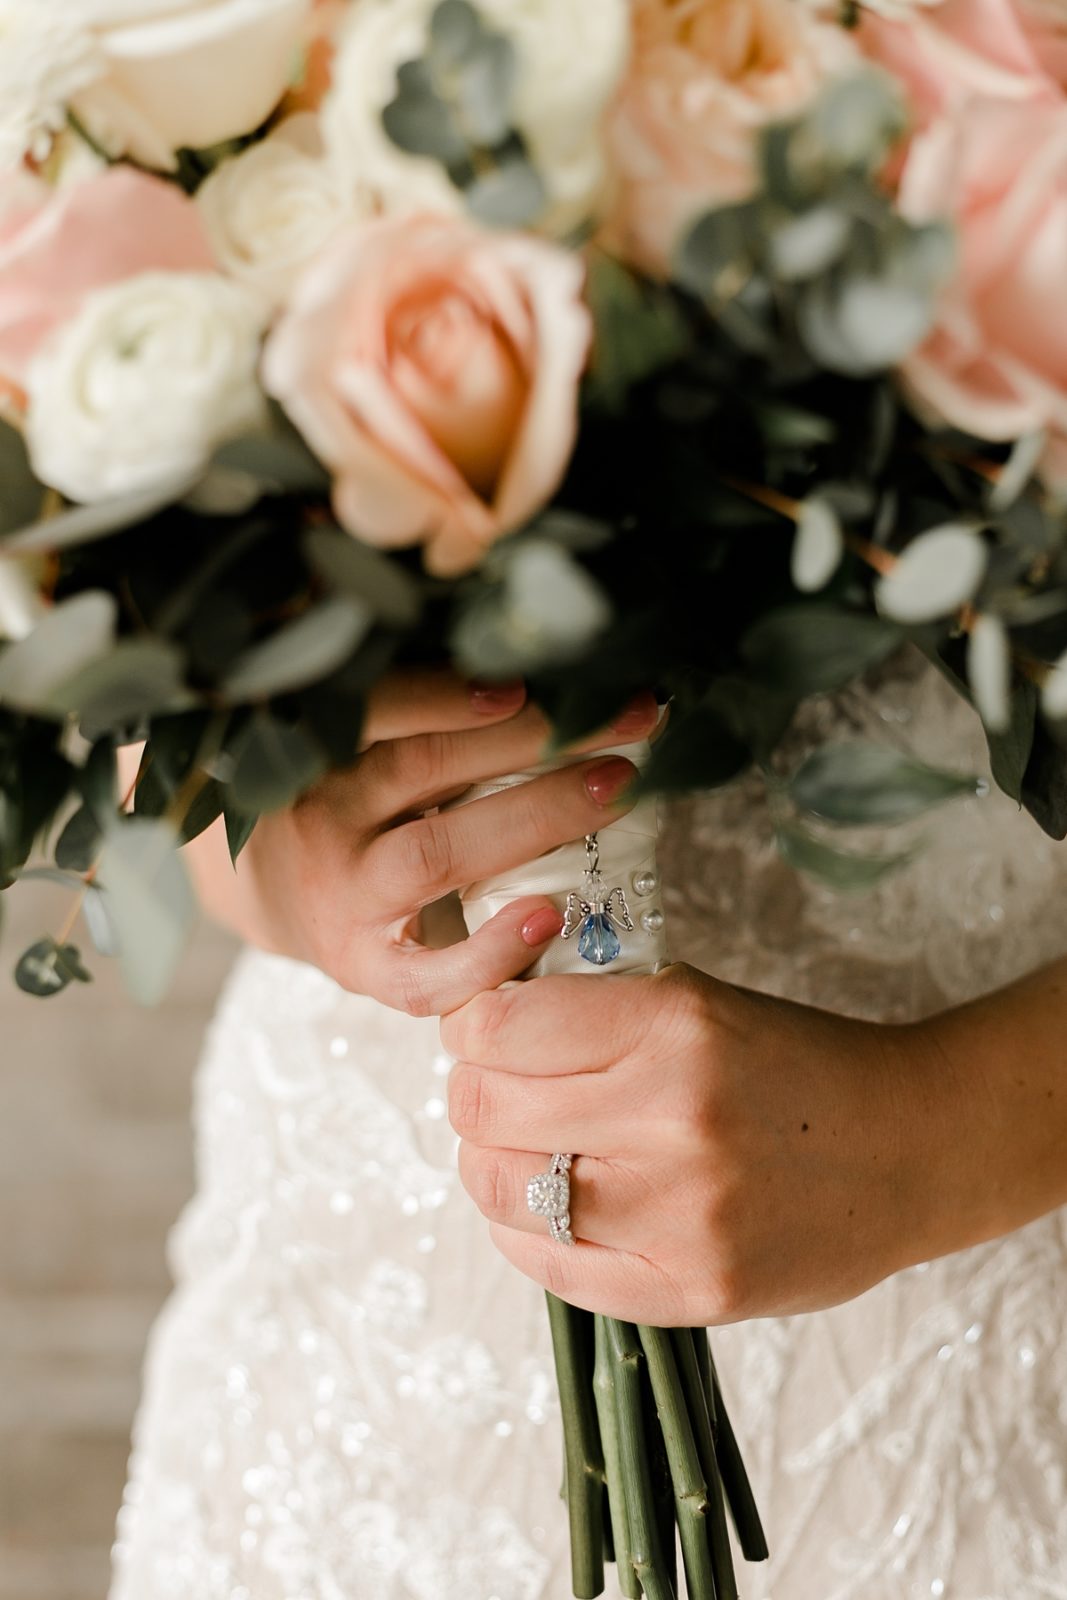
[350, 1395]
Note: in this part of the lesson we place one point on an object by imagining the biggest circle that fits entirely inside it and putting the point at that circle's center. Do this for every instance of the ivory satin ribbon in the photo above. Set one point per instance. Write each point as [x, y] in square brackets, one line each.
[627, 850]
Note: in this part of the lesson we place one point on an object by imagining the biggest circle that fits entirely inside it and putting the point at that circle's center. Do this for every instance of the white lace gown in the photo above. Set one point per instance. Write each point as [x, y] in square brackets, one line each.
[350, 1395]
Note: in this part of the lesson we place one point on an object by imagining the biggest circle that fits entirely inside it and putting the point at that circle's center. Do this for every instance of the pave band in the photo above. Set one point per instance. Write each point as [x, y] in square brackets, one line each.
[548, 1194]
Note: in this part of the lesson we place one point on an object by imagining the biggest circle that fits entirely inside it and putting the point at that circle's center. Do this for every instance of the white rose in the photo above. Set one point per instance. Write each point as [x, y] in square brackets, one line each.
[139, 387]
[272, 208]
[45, 57]
[571, 55]
[187, 73]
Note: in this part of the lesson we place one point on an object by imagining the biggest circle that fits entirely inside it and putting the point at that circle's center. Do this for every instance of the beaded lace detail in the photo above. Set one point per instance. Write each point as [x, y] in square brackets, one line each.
[350, 1395]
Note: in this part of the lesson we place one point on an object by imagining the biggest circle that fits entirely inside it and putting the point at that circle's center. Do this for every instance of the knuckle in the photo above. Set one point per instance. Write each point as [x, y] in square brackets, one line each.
[424, 859]
[410, 991]
[492, 1187]
[470, 1108]
[476, 1032]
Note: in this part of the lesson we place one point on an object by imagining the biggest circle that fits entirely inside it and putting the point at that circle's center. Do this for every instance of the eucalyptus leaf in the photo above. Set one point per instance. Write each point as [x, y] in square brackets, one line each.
[858, 783]
[72, 635]
[638, 330]
[151, 903]
[132, 680]
[810, 649]
[97, 913]
[84, 524]
[370, 577]
[275, 762]
[20, 492]
[842, 870]
[455, 29]
[511, 195]
[47, 968]
[697, 751]
[97, 780]
[73, 881]
[1017, 471]
[546, 611]
[278, 460]
[818, 545]
[421, 124]
[989, 671]
[79, 843]
[303, 652]
[486, 84]
[809, 243]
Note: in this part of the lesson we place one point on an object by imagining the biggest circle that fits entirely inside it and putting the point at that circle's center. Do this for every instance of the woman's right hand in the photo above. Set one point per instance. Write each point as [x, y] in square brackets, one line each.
[341, 878]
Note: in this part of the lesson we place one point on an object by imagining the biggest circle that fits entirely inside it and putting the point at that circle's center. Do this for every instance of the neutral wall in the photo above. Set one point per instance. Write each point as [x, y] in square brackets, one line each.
[95, 1163]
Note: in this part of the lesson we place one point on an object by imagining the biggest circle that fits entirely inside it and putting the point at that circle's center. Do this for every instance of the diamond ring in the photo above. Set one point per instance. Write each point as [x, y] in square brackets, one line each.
[548, 1194]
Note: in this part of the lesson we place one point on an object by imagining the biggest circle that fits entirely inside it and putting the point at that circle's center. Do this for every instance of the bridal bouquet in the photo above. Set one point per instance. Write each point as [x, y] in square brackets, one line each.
[716, 345]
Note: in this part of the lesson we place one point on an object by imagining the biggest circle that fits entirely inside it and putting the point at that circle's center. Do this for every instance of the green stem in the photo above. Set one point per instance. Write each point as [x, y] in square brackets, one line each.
[581, 1443]
[686, 1342]
[691, 1498]
[646, 1556]
[606, 1405]
[746, 1517]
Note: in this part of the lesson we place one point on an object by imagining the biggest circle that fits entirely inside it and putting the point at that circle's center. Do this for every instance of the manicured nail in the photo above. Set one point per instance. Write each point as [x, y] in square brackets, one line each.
[492, 698]
[606, 779]
[639, 715]
[540, 926]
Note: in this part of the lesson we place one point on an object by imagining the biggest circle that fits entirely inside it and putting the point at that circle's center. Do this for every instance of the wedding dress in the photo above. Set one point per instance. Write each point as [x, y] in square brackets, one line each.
[350, 1395]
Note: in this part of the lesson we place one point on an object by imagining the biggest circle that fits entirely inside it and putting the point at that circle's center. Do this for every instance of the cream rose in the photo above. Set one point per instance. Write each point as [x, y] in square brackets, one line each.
[570, 58]
[995, 364]
[137, 389]
[271, 209]
[706, 77]
[177, 73]
[434, 367]
[46, 56]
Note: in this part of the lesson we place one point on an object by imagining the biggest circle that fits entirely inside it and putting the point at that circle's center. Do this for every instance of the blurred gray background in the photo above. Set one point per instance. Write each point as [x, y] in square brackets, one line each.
[95, 1163]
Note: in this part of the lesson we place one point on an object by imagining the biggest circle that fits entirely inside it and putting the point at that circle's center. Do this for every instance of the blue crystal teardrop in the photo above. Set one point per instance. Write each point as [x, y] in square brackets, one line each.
[598, 942]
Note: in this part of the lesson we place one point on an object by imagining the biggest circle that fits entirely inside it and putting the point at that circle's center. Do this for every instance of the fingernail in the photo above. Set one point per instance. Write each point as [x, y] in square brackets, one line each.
[639, 715]
[606, 779]
[491, 698]
[540, 926]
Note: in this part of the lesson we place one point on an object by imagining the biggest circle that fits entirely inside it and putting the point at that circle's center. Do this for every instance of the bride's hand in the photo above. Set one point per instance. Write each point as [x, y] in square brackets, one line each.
[342, 878]
[738, 1156]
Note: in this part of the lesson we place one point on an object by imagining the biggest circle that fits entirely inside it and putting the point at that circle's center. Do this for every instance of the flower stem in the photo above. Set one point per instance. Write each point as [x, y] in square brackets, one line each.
[582, 1450]
[750, 1534]
[691, 1498]
[686, 1342]
[646, 1557]
[604, 1389]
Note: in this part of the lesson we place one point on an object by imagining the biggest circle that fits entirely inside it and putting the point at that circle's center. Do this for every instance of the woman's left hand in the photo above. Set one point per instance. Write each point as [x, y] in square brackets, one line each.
[737, 1156]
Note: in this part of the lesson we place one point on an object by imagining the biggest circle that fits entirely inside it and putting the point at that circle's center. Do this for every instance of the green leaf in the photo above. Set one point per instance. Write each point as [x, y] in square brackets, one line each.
[716, 254]
[455, 29]
[84, 524]
[96, 910]
[420, 123]
[860, 783]
[63, 880]
[47, 968]
[151, 904]
[275, 763]
[79, 844]
[134, 679]
[20, 492]
[1009, 752]
[1017, 471]
[546, 611]
[277, 459]
[355, 569]
[839, 869]
[512, 195]
[240, 825]
[861, 326]
[639, 329]
[61, 647]
[97, 780]
[697, 751]
[485, 86]
[302, 653]
[809, 243]
[812, 649]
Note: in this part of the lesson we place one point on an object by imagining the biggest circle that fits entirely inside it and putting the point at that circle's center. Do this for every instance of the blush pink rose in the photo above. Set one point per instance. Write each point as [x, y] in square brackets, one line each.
[434, 367]
[995, 363]
[705, 77]
[947, 54]
[57, 246]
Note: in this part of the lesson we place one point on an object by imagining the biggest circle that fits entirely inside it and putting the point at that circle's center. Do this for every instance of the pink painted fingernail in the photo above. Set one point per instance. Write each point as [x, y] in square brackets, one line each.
[540, 926]
[605, 780]
[492, 698]
[638, 716]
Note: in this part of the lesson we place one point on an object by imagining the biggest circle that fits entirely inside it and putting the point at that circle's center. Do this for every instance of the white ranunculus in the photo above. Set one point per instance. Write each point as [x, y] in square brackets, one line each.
[187, 73]
[140, 386]
[274, 207]
[46, 56]
[570, 56]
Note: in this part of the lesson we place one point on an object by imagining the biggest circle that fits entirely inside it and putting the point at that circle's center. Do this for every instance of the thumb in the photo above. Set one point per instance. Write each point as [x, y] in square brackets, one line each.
[430, 983]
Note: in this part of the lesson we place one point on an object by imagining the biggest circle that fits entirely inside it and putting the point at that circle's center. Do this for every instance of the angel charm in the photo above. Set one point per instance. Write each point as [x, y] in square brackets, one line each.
[596, 915]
